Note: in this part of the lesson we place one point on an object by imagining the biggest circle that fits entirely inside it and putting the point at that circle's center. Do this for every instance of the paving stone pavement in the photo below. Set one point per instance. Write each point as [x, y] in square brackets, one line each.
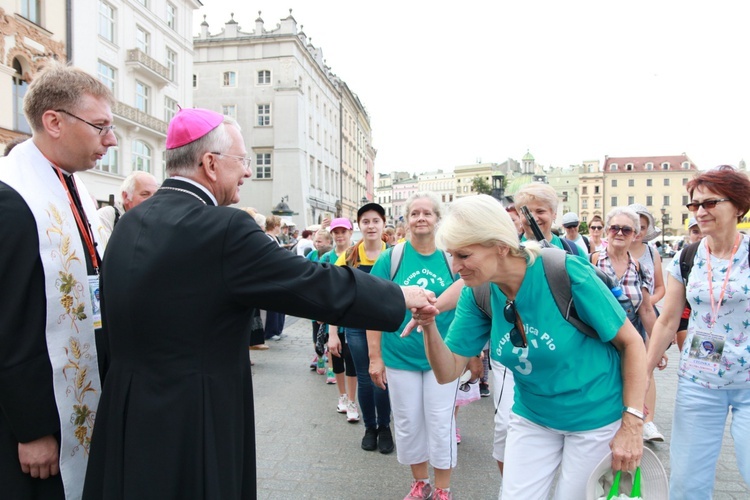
[306, 450]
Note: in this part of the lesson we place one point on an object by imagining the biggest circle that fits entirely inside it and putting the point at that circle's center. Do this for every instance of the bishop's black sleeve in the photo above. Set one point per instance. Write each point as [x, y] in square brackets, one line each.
[27, 402]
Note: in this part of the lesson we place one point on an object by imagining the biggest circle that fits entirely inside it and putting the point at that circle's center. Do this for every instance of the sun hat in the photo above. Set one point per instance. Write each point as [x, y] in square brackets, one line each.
[190, 124]
[371, 206]
[652, 231]
[654, 480]
[692, 222]
[340, 222]
[570, 219]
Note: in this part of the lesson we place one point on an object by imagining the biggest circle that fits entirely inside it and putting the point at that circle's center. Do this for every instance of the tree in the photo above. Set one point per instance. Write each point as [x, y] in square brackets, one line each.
[480, 186]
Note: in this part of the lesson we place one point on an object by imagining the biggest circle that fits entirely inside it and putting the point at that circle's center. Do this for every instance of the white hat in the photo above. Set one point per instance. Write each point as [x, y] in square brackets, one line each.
[654, 481]
[652, 231]
[692, 222]
[570, 219]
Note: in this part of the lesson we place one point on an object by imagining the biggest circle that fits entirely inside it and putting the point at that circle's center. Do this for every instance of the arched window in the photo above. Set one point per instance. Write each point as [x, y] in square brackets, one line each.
[649, 166]
[111, 161]
[141, 156]
[19, 91]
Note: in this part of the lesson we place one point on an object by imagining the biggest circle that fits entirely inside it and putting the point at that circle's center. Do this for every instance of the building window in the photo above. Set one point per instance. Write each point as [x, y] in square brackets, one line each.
[143, 2]
[19, 91]
[264, 115]
[584, 190]
[264, 77]
[665, 165]
[142, 39]
[170, 109]
[596, 189]
[684, 200]
[685, 165]
[649, 166]
[229, 79]
[142, 96]
[107, 21]
[263, 166]
[106, 75]
[649, 201]
[613, 201]
[649, 182]
[172, 64]
[614, 183]
[666, 201]
[666, 181]
[684, 181]
[30, 10]
[195, 81]
[171, 15]
[631, 200]
[141, 156]
[110, 162]
[628, 167]
[631, 182]
[596, 204]
[613, 167]
[229, 110]
[584, 204]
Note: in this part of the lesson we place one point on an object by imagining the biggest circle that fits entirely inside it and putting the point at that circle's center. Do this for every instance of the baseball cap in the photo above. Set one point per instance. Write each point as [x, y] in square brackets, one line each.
[371, 206]
[570, 219]
[340, 222]
[692, 222]
[190, 124]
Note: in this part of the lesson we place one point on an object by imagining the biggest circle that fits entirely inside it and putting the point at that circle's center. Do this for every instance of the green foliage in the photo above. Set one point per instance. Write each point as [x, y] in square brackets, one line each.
[480, 186]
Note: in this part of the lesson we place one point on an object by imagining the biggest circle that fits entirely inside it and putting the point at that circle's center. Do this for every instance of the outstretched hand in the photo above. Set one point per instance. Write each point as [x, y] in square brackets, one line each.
[420, 318]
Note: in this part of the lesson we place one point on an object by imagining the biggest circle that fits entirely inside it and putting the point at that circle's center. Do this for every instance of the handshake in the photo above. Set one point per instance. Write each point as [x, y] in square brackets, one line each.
[420, 302]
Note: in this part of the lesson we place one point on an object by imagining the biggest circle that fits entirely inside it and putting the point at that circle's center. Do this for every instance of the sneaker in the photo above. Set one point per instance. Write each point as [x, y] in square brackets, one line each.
[441, 494]
[276, 337]
[484, 390]
[385, 439]
[419, 491]
[352, 415]
[314, 363]
[458, 435]
[651, 433]
[343, 404]
[321, 365]
[370, 441]
[331, 377]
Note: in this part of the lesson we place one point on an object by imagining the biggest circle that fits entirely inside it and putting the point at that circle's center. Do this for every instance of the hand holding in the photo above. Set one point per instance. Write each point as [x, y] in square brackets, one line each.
[417, 297]
[627, 445]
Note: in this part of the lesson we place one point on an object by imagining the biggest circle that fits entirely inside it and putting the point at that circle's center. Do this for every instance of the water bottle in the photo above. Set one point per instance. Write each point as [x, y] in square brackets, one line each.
[625, 302]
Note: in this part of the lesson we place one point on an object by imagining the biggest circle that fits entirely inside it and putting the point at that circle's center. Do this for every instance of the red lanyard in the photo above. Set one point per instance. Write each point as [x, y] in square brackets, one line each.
[714, 306]
[88, 237]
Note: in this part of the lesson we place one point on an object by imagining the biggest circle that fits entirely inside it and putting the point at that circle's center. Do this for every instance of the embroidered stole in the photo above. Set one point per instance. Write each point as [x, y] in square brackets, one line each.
[69, 327]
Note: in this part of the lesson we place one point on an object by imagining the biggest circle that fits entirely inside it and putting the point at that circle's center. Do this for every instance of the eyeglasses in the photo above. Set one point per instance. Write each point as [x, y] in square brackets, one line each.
[517, 333]
[707, 204]
[626, 230]
[596, 228]
[103, 130]
[245, 161]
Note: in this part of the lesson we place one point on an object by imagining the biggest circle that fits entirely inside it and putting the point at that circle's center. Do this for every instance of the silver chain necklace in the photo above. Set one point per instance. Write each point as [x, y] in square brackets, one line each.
[185, 191]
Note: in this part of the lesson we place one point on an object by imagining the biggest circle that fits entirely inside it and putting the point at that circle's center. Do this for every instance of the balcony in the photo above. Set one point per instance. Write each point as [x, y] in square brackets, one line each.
[140, 119]
[148, 67]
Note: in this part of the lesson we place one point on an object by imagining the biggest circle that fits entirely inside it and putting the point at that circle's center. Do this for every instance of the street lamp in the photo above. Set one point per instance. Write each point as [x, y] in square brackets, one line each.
[664, 222]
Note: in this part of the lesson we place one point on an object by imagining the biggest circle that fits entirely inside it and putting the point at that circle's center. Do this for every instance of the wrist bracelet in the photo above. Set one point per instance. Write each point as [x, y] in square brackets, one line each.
[633, 411]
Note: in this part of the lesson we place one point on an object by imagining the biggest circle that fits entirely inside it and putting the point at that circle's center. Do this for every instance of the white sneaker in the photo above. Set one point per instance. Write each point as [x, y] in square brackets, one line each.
[352, 415]
[651, 433]
[343, 404]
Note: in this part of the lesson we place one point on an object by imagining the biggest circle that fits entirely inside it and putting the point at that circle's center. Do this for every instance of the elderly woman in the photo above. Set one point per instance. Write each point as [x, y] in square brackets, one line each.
[713, 365]
[576, 396]
[423, 409]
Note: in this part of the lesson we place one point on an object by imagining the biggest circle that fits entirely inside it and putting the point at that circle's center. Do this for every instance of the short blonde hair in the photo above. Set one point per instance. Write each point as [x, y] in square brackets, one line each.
[482, 220]
[537, 191]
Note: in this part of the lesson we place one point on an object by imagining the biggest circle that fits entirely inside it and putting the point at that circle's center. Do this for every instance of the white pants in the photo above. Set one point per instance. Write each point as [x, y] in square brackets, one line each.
[534, 454]
[423, 418]
[503, 387]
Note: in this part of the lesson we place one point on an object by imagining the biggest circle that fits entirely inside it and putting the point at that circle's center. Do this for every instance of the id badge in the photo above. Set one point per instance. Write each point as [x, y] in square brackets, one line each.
[96, 309]
[706, 351]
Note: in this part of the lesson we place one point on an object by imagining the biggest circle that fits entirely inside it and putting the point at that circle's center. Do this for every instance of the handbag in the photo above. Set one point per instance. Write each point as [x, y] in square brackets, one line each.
[635, 492]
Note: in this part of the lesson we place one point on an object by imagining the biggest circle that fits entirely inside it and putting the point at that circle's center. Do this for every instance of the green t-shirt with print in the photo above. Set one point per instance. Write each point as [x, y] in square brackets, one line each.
[430, 272]
[565, 380]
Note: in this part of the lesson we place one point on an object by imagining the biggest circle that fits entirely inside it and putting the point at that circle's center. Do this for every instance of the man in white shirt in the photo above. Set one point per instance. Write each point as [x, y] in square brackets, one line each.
[134, 190]
[570, 223]
[305, 245]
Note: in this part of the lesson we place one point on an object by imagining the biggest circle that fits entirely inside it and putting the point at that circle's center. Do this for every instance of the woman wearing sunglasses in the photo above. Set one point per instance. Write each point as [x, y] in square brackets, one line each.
[714, 372]
[596, 234]
[576, 397]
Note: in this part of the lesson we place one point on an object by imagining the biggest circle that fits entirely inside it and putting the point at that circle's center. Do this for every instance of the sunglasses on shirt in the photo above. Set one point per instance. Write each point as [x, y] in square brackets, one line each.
[517, 333]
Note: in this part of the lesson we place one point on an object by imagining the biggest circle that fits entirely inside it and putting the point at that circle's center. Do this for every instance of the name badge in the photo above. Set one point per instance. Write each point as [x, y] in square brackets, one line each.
[96, 308]
[706, 351]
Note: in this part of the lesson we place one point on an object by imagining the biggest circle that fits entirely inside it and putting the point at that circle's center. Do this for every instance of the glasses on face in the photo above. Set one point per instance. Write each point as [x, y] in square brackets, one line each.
[707, 204]
[245, 161]
[517, 333]
[625, 230]
[596, 228]
[103, 130]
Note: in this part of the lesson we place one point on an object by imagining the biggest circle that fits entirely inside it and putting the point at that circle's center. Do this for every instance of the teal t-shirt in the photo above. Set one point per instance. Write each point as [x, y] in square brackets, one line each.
[565, 380]
[430, 272]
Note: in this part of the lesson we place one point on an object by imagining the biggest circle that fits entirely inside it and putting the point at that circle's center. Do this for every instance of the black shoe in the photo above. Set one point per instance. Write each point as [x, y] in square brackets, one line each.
[385, 439]
[370, 441]
[484, 390]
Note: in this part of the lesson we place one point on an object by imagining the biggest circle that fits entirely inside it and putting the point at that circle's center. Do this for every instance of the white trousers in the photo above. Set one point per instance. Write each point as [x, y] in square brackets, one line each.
[502, 394]
[423, 419]
[534, 453]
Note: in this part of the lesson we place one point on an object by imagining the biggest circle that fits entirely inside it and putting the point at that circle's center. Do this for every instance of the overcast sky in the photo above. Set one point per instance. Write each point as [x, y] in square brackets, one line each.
[568, 80]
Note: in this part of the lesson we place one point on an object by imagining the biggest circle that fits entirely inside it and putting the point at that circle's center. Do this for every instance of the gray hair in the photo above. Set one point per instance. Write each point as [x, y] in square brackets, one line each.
[482, 220]
[627, 211]
[185, 159]
[537, 191]
[128, 185]
[423, 194]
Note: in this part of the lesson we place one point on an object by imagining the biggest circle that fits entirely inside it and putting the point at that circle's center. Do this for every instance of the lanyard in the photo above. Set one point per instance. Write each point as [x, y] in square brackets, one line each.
[85, 230]
[714, 306]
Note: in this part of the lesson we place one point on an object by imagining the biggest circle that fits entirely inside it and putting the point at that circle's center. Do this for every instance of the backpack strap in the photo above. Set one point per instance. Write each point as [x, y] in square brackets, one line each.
[553, 260]
[397, 255]
[687, 256]
[569, 246]
[482, 298]
[117, 217]
[586, 242]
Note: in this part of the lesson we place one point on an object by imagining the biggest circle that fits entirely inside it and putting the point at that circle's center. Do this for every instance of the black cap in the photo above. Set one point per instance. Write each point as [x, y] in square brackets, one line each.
[371, 206]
